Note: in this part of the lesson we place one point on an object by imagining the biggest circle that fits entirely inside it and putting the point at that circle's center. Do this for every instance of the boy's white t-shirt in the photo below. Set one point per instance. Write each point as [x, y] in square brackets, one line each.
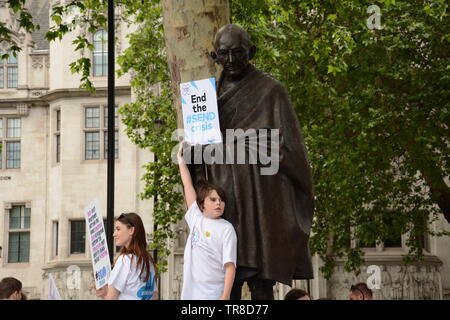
[125, 278]
[210, 245]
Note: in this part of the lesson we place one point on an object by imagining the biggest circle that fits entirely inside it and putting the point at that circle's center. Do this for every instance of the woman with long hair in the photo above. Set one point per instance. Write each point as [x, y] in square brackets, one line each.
[134, 274]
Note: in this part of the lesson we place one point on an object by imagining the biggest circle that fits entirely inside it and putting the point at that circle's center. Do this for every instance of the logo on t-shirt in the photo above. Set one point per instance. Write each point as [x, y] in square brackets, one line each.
[207, 234]
[195, 237]
[146, 292]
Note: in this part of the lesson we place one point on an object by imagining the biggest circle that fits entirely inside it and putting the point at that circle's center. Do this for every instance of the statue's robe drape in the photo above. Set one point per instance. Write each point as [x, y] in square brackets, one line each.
[272, 214]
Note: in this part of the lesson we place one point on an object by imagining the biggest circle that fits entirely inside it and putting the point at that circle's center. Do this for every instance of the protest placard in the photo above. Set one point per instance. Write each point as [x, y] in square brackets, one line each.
[200, 114]
[98, 244]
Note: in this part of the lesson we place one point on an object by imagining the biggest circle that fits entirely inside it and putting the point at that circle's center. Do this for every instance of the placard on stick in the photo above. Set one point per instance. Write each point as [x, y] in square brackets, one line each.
[200, 114]
[98, 244]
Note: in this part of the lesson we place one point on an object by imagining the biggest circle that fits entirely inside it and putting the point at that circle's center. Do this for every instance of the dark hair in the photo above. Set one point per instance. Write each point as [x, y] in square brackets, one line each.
[295, 294]
[363, 289]
[8, 286]
[204, 189]
[138, 244]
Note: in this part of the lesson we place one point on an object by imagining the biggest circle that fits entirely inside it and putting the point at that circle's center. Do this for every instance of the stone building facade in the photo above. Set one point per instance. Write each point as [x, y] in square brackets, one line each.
[52, 164]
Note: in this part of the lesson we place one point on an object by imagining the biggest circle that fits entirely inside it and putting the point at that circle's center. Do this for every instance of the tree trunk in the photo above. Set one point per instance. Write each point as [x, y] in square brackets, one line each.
[189, 29]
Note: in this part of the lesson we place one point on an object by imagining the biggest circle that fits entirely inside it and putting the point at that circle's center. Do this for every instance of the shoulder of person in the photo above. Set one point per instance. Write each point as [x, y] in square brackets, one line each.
[226, 225]
[125, 258]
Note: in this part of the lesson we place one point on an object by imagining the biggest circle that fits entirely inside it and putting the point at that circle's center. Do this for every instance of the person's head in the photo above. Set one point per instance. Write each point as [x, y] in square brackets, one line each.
[129, 233]
[297, 294]
[233, 51]
[360, 291]
[10, 289]
[211, 200]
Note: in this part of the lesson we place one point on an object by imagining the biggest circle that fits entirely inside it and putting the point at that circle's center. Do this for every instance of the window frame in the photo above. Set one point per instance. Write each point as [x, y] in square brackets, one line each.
[103, 53]
[12, 63]
[2, 76]
[20, 230]
[102, 130]
[71, 234]
[55, 238]
[57, 134]
[5, 140]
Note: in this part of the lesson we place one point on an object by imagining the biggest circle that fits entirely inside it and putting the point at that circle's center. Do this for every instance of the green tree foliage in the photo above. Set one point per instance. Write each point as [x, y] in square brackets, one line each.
[374, 109]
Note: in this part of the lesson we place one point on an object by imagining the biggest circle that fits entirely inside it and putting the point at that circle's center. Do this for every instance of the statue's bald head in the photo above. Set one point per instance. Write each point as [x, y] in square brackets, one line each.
[233, 50]
[234, 31]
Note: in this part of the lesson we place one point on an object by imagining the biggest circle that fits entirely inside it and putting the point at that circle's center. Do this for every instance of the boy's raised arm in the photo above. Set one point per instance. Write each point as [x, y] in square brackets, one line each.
[189, 191]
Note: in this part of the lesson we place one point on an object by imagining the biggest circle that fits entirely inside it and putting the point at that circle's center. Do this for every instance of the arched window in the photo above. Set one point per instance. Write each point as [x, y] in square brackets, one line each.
[100, 53]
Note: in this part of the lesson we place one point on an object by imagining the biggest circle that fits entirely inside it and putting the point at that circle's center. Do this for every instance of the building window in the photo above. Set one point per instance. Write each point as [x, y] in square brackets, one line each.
[100, 67]
[13, 128]
[12, 72]
[393, 240]
[58, 135]
[92, 145]
[55, 238]
[12, 155]
[77, 236]
[96, 132]
[19, 234]
[8, 68]
[2, 76]
[92, 117]
[92, 138]
[10, 133]
[58, 148]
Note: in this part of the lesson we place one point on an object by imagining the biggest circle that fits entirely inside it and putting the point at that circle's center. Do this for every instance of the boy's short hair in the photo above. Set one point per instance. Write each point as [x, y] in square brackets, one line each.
[204, 189]
[8, 286]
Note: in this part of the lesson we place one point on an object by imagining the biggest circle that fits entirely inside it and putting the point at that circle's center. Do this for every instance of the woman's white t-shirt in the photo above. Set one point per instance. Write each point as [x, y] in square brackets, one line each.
[211, 244]
[125, 278]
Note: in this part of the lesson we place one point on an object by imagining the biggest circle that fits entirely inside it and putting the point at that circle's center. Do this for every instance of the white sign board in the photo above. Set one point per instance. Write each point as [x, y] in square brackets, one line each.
[98, 244]
[53, 293]
[200, 114]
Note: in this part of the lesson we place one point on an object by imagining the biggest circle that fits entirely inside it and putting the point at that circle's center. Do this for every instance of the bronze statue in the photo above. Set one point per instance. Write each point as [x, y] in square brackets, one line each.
[272, 214]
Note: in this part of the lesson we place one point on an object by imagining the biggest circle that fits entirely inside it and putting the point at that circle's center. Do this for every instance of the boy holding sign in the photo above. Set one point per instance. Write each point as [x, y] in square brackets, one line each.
[210, 253]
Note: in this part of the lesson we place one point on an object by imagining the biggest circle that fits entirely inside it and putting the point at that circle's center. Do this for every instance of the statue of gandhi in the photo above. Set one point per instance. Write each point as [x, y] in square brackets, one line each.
[271, 213]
